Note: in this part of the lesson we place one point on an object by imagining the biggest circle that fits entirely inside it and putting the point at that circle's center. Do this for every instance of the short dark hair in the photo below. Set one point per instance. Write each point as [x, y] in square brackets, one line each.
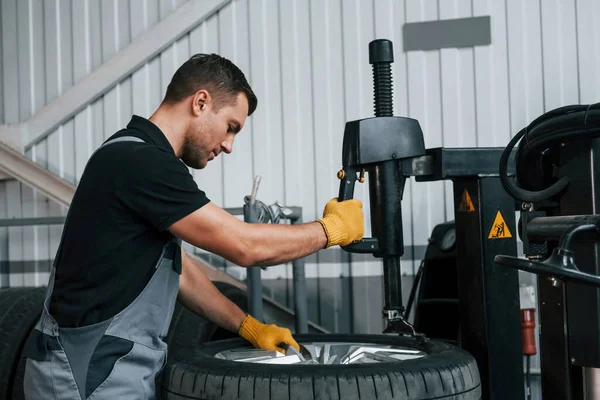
[216, 74]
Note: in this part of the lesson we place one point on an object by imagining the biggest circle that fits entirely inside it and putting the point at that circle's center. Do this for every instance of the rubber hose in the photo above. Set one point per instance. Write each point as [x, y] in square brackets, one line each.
[551, 127]
[573, 123]
[520, 193]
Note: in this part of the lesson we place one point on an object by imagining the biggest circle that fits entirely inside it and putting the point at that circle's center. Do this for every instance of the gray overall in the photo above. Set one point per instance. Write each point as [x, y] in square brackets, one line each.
[115, 359]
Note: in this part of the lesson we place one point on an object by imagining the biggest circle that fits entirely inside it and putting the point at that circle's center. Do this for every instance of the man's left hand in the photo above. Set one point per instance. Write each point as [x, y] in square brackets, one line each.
[266, 337]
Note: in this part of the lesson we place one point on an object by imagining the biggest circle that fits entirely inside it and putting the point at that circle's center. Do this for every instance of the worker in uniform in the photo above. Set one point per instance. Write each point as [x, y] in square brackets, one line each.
[120, 267]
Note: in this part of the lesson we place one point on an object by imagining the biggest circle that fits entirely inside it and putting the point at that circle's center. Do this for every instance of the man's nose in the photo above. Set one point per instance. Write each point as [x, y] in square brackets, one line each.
[227, 146]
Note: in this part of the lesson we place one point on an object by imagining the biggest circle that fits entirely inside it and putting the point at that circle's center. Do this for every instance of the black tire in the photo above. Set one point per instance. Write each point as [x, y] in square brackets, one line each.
[447, 372]
[20, 309]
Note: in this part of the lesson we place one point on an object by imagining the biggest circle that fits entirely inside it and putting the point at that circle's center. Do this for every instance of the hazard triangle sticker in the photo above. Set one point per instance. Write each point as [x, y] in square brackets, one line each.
[499, 228]
[466, 204]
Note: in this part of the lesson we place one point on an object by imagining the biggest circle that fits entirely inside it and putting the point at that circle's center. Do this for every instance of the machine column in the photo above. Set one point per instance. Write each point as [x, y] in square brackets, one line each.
[488, 293]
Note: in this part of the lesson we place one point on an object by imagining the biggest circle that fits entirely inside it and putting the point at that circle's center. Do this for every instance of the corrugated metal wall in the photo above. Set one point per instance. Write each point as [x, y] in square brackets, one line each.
[308, 63]
[46, 47]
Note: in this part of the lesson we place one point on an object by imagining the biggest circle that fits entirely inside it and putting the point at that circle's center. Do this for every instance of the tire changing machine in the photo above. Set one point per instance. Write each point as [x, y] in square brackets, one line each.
[558, 202]
[391, 149]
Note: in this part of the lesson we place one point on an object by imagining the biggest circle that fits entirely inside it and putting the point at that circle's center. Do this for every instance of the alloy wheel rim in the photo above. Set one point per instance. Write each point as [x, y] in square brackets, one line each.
[325, 353]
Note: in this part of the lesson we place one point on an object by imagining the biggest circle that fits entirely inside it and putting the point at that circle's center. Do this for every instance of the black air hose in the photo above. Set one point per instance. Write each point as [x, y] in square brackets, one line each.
[570, 120]
[551, 128]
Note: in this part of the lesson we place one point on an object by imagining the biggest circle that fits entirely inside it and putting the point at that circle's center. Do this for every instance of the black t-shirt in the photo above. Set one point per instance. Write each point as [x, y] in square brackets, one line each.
[128, 196]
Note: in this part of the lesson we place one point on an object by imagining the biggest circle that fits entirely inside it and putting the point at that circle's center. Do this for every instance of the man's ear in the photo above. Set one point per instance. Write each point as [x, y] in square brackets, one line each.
[201, 101]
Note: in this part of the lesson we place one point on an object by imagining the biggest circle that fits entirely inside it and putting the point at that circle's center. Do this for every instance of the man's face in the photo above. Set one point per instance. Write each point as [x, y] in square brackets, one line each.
[213, 132]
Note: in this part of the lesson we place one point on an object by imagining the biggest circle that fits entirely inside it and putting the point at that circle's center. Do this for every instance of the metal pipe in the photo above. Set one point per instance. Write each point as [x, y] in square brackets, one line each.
[541, 229]
[32, 221]
[567, 239]
[235, 210]
[294, 214]
[386, 187]
[255, 306]
[392, 284]
[299, 282]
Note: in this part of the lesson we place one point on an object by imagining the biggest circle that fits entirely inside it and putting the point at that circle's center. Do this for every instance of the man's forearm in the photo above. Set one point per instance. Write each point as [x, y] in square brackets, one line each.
[273, 244]
[199, 294]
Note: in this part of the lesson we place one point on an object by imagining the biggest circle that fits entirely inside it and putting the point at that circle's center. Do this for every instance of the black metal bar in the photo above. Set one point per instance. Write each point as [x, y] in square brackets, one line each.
[255, 306]
[552, 228]
[447, 163]
[386, 186]
[392, 284]
[32, 221]
[489, 294]
[553, 348]
[582, 196]
[299, 280]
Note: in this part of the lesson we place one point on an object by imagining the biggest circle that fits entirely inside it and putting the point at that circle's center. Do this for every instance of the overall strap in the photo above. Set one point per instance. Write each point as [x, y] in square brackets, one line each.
[122, 139]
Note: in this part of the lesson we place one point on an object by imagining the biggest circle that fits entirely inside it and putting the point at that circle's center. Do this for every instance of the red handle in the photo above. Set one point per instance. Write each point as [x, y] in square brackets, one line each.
[528, 331]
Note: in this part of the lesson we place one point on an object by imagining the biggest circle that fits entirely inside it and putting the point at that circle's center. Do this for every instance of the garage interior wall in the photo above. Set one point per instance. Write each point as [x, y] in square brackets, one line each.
[307, 61]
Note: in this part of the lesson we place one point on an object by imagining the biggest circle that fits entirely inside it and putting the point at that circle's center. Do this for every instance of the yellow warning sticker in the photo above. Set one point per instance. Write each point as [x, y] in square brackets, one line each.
[466, 204]
[499, 228]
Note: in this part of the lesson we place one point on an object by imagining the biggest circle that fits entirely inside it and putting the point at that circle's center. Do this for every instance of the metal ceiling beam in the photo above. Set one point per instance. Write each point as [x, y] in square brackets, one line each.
[120, 66]
[15, 164]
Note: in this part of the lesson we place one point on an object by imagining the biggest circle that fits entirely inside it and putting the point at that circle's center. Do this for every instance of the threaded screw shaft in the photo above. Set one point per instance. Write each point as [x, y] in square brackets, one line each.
[381, 55]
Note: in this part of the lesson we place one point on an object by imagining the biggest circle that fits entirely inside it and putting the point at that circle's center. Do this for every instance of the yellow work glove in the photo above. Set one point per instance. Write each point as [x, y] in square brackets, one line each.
[266, 337]
[343, 222]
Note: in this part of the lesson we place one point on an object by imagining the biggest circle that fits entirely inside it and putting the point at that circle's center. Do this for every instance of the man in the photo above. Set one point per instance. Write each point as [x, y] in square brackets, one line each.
[119, 268]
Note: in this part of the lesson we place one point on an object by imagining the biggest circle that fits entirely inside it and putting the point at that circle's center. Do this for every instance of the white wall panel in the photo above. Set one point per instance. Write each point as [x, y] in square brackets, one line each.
[29, 244]
[55, 161]
[588, 53]
[143, 14]
[4, 253]
[10, 61]
[491, 74]
[559, 53]
[82, 55]
[328, 113]
[124, 105]
[234, 44]
[51, 59]
[41, 255]
[83, 141]
[425, 105]
[205, 39]
[95, 32]
[24, 59]
[155, 95]
[526, 84]
[297, 139]
[457, 92]
[1, 76]
[65, 45]
[265, 75]
[15, 233]
[47, 46]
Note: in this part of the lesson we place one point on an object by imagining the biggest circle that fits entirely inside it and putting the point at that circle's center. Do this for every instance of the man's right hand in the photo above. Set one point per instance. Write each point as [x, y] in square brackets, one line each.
[343, 222]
